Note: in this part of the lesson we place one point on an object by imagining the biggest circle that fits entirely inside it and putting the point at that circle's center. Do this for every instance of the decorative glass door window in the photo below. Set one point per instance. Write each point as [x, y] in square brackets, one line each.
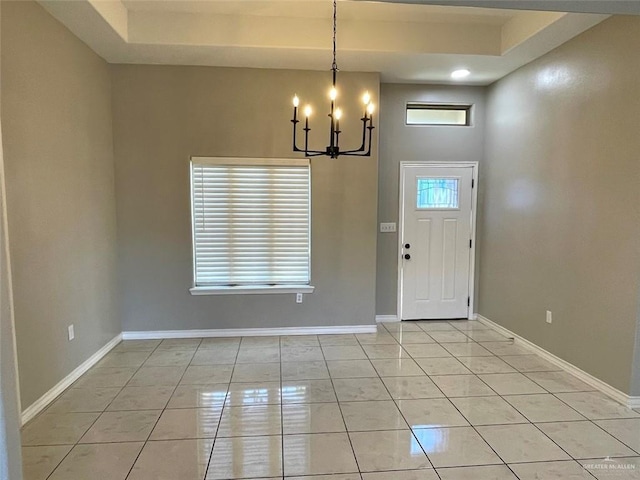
[437, 193]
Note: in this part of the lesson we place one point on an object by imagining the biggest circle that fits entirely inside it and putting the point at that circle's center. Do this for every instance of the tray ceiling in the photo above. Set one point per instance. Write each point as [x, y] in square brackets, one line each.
[405, 42]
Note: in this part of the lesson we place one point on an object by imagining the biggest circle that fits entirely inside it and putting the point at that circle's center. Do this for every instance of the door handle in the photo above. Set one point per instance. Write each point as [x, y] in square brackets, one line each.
[407, 256]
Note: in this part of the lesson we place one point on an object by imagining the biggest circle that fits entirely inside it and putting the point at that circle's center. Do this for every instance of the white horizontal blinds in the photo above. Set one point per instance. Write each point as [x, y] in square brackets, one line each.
[251, 222]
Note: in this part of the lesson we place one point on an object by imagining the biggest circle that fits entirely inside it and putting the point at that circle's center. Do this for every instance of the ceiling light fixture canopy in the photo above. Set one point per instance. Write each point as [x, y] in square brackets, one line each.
[335, 113]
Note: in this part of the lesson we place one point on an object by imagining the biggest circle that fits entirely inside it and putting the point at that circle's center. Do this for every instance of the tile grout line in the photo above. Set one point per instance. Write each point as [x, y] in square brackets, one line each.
[466, 419]
[461, 374]
[613, 436]
[224, 404]
[530, 423]
[281, 411]
[473, 426]
[165, 407]
[346, 430]
[556, 444]
[151, 352]
[402, 414]
[105, 409]
[535, 424]
[586, 419]
[379, 377]
[481, 436]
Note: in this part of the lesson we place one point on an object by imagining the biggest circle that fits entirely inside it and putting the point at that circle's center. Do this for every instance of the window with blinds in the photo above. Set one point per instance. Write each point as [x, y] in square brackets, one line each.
[251, 221]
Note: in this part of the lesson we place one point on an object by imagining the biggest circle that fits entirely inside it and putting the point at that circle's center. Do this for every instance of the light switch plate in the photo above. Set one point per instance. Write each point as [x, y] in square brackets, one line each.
[387, 227]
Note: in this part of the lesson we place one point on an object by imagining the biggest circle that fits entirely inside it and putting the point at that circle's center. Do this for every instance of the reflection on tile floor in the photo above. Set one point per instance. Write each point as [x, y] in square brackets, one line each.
[428, 400]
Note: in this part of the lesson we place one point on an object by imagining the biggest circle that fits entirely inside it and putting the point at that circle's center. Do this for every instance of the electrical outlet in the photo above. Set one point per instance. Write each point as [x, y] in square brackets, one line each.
[549, 317]
[387, 227]
[71, 332]
[298, 298]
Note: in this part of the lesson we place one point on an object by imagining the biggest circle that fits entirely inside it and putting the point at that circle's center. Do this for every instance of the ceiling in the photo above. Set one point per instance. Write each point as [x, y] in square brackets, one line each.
[411, 41]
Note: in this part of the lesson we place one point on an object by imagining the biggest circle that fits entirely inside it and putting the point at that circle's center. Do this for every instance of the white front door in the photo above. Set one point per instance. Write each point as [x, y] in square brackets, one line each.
[435, 236]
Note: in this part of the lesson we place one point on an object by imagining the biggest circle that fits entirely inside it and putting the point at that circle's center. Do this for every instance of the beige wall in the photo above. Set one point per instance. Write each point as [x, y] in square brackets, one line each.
[162, 116]
[562, 201]
[403, 143]
[56, 116]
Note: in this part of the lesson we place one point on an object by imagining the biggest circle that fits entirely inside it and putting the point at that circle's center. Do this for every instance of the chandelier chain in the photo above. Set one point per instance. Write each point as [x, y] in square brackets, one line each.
[334, 66]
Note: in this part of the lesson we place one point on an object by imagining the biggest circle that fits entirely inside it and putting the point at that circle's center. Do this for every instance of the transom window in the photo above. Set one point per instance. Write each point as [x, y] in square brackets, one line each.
[438, 114]
[251, 221]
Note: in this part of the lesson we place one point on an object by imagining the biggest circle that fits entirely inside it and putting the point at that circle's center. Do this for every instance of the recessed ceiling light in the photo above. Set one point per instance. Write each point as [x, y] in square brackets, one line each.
[458, 74]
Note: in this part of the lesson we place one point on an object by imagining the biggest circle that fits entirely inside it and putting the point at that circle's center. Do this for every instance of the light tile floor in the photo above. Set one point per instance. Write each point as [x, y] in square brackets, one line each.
[448, 400]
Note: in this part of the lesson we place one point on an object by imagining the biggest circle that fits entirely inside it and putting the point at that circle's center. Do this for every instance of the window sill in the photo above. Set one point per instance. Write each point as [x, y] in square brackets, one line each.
[251, 290]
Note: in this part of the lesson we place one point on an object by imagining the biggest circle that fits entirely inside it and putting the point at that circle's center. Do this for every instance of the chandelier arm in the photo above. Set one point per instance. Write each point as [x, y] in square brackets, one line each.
[295, 129]
[295, 146]
[354, 151]
[371, 127]
[357, 153]
[364, 140]
[364, 151]
[364, 134]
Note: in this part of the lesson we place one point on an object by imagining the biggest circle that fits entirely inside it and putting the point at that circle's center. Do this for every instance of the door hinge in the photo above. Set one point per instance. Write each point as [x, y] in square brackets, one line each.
[473, 182]
[470, 243]
[468, 301]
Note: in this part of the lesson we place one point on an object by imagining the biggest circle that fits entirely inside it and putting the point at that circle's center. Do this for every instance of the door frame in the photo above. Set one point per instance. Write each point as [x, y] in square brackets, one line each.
[474, 212]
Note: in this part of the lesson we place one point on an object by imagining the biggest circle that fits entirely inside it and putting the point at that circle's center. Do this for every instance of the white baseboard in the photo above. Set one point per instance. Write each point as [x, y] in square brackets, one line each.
[633, 402]
[394, 318]
[612, 392]
[387, 318]
[247, 332]
[44, 401]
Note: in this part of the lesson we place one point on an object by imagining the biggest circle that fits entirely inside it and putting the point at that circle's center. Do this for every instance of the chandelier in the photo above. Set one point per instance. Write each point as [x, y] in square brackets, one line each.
[335, 113]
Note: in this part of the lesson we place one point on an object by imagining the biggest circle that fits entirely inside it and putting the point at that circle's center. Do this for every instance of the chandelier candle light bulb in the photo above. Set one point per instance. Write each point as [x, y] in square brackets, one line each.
[333, 149]
[296, 102]
[307, 114]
